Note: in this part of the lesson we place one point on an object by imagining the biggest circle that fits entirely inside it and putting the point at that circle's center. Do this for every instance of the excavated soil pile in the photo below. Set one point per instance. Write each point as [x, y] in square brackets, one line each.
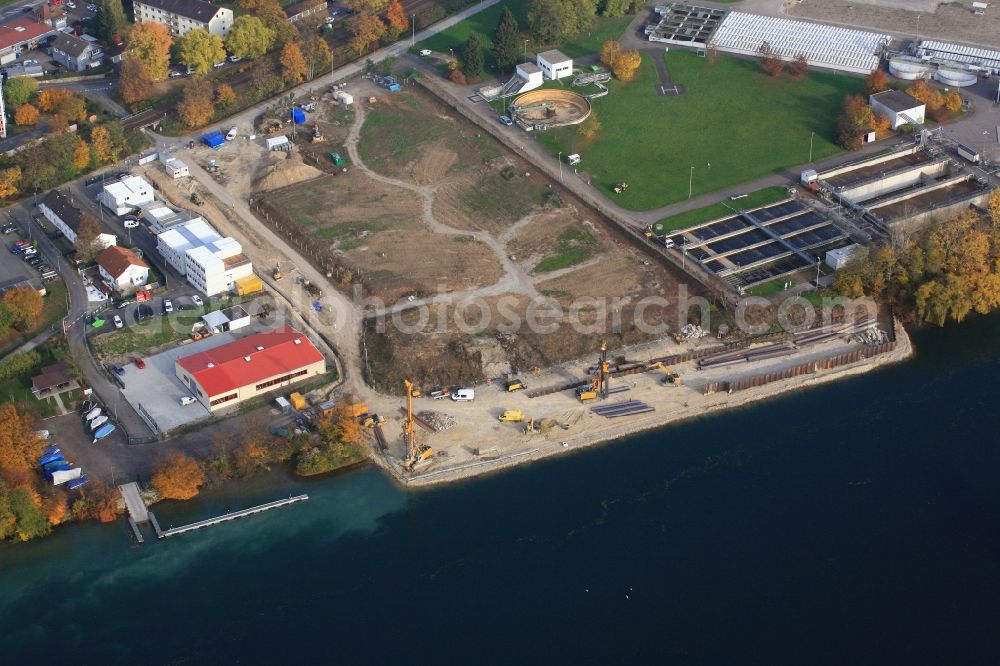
[285, 169]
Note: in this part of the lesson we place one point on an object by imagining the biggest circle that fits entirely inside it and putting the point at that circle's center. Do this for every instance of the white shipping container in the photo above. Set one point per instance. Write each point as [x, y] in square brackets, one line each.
[344, 97]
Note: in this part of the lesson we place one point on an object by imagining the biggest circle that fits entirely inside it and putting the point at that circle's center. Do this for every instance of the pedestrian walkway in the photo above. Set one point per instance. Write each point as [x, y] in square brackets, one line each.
[134, 502]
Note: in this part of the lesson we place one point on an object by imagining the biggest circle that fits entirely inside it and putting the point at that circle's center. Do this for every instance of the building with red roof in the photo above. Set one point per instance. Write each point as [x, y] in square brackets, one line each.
[21, 34]
[231, 373]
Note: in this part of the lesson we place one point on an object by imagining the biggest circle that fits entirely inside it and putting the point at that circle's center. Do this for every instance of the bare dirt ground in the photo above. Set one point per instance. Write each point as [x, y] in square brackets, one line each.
[951, 21]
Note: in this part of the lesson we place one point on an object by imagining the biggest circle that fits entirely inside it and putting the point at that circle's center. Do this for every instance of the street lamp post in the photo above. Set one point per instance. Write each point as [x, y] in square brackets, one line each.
[413, 26]
[690, 181]
[817, 270]
[526, 50]
[559, 157]
[811, 137]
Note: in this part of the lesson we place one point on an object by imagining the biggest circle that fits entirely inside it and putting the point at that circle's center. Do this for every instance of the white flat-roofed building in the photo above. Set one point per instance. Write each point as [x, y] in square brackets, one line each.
[210, 262]
[555, 64]
[175, 168]
[899, 107]
[127, 194]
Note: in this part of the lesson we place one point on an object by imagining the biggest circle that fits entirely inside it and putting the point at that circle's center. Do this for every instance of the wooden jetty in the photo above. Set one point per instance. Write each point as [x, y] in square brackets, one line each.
[174, 531]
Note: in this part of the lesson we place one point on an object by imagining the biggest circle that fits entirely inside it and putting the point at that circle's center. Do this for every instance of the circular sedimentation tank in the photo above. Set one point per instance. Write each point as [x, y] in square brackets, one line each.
[551, 108]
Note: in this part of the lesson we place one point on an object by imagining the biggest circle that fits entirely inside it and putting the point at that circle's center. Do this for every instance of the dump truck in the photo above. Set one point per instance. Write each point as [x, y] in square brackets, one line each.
[357, 408]
[511, 416]
[196, 199]
[514, 384]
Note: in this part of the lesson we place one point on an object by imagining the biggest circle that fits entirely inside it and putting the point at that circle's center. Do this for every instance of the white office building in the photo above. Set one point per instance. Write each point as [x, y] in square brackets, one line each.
[126, 195]
[182, 16]
[555, 64]
[211, 263]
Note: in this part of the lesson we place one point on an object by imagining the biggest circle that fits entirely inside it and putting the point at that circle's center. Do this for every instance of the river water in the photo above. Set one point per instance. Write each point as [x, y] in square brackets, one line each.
[852, 523]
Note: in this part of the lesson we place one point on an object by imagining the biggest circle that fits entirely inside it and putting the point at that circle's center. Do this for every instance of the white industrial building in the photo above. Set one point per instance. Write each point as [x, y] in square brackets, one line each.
[555, 64]
[827, 46]
[531, 74]
[230, 319]
[841, 256]
[899, 107]
[211, 263]
[126, 195]
[62, 212]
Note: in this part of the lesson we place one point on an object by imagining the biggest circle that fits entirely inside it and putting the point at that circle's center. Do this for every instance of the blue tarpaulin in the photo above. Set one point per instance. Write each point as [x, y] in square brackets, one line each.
[213, 139]
[299, 116]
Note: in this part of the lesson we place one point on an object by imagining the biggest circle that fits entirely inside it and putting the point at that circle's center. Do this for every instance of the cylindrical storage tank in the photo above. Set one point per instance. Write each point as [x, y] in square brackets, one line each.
[908, 70]
[956, 78]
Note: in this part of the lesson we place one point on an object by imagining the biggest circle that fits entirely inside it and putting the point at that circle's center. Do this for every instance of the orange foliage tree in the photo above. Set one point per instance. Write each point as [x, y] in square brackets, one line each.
[150, 43]
[770, 60]
[49, 99]
[19, 446]
[26, 114]
[626, 65]
[953, 101]
[876, 82]
[8, 181]
[102, 144]
[134, 83]
[293, 65]
[81, 156]
[178, 477]
[396, 17]
[799, 67]
[224, 95]
[366, 28]
[24, 305]
[196, 107]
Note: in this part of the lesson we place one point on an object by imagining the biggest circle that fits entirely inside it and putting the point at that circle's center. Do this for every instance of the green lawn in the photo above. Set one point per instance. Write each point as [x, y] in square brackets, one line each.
[769, 288]
[576, 245]
[139, 338]
[698, 215]
[734, 124]
[485, 22]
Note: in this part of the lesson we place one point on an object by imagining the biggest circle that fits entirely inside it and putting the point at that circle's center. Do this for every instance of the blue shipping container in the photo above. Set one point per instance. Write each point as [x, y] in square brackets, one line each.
[213, 139]
[299, 116]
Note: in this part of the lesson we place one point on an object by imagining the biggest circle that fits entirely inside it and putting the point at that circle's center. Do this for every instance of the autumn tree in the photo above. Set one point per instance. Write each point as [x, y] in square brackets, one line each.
[178, 477]
[19, 446]
[505, 41]
[271, 14]
[626, 65]
[195, 108]
[472, 57]
[769, 60]
[953, 101]
[317, 54]
[86, 244]
[855, 119]
[58, 122]
[992, 208]
[101, 145]
[26, 114]
[18, 91]
[50, 99]
[610, 50]
[396, 19]
[249, 37]
[340, 426]
[26, 505]
[200, 50]
[293, 65]
[613, 8]
[81, 156]
[135, 83]
[73, 107]
[799, 67]
[9, 179]
[150, 43]
[111, 20]
[224, 95]
[929, 96]
[876, 82]
[366, 29]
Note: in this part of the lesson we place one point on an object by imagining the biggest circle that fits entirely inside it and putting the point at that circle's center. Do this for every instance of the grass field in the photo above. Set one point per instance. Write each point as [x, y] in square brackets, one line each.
[575, 246]
[142, 337]
[733, 124]
[485, 22]
[717, 210]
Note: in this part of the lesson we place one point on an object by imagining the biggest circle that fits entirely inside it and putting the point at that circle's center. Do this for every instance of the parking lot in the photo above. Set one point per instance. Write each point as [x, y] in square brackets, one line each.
[156, 390]
[16, 267]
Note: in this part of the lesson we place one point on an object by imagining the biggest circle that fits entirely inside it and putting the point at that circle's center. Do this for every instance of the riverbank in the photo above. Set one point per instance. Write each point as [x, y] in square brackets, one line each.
[506, 445]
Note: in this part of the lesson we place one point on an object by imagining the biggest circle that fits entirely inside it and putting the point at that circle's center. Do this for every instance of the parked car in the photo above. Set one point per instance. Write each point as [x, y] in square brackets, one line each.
[167, 306]
[31, 62]
[329, 20]
[122, 304]
[506, 120]
[196, 299]
[231, 134]
[463, 394]
[235, 58]
[143, 312]
[119, 370]
[423, 53]
[187, 400]
[130, 222]
[9, 229]
[118, 322]
[139, 363]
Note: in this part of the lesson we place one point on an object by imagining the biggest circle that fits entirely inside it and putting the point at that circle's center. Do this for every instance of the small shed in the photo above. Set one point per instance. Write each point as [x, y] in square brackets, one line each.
[277, 142]
[344, 97]
[283, 404]
[230, 319]
[175, 168]
[840, 257]
[555, 64]
[213, 139]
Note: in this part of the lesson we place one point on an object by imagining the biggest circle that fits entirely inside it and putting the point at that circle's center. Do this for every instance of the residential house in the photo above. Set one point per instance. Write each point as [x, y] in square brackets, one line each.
[74, 53]
[122, 269]
[60, 210]
[51, 14]
[182, 16]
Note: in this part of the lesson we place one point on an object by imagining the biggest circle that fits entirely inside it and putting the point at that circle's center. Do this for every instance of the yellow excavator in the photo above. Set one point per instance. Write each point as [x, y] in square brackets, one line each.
[414, 453]
[598, 387]
[670, 378]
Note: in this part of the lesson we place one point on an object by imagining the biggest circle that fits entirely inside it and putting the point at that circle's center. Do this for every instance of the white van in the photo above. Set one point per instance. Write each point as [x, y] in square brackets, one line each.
[463, 394]
[234, 130]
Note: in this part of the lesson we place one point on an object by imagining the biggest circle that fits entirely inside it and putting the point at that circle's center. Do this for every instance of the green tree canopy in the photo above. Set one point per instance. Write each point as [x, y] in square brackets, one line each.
[18, 91]
[111, 20]
[553, 21]
[249, 37]
[505, 40]
[200, 50]
[472, 57]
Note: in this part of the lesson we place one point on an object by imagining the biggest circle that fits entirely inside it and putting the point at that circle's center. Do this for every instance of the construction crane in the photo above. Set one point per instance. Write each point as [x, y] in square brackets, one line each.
[598, 387]
[408, 438]
[669, 376]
